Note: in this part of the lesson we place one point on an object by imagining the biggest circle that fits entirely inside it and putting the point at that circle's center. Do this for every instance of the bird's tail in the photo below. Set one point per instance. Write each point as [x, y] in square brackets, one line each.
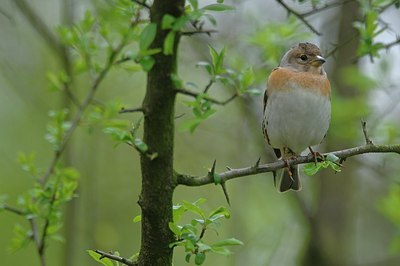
[290, 179]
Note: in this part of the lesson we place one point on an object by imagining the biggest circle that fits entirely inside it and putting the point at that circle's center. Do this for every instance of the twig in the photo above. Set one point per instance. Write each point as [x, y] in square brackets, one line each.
[208, 86]
[368, 141]
[142, 3]
[299, 16]
[195, 95]
[389, 45]
[12, 209]
[189, 180]
[36, 240]
[193, 32]
[115, 257]
[326, 6]
[130, 110]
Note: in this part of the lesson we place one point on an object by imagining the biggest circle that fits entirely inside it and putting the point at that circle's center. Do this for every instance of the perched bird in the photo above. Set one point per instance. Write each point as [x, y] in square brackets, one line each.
[297, 107]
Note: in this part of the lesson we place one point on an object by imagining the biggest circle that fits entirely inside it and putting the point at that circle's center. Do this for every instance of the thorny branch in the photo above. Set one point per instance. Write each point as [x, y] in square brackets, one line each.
[115, 257]
[206, 97]
[189, 180]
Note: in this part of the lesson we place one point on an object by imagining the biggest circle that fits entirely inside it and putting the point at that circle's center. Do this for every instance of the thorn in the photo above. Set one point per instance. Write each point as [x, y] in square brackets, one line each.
[212, 171]
[228, 168]
[368, 141]
[274, 174]
[257, 163]
[225, 193]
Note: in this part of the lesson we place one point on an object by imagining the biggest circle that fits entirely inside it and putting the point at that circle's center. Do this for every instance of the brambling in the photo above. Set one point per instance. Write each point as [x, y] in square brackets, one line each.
[297, 107]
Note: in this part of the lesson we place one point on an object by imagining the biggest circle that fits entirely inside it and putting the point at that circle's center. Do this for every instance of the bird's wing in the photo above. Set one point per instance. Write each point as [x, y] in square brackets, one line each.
[276, 151]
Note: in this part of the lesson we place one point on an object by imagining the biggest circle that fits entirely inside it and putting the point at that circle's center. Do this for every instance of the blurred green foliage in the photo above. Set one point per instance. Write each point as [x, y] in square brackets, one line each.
[274, 219]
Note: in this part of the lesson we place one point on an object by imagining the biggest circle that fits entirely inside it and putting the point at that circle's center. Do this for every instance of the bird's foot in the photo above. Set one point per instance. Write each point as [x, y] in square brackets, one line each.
[316, 155]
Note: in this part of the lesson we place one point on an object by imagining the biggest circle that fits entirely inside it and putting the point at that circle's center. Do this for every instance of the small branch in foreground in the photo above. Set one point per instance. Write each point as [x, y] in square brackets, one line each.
[12, 209]
[131, 110]
[194, 32]
[195, 95]
[189, 180]
[142, 3]
[115, 257]
[299, 16]
[326, 6]
[368, 141]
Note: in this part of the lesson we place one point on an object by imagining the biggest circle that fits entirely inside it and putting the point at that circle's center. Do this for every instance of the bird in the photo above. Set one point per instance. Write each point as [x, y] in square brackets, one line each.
[297, 108]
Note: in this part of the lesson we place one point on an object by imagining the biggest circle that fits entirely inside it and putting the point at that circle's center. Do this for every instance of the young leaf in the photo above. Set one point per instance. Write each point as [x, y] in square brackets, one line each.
[311, 169]
[227, 242]
[199, 258]
[175, 229]
[137, 218]
[218, 7]
[167, 22]
[147, 63]
[96, 257]
[169, 41]
[147, 36]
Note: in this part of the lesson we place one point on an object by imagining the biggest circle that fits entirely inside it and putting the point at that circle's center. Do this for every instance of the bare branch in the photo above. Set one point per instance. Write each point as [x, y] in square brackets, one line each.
[12, 209]
[206, 97]
[193, 32]
[115, 257]
[389, 45]
[368, 141]
[299, 16]
[131, 110]
[326, 6]
[142, 3]
[189, 180]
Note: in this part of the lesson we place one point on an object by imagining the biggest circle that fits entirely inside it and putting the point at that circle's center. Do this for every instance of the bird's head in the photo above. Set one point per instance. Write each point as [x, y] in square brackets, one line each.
[305, 57]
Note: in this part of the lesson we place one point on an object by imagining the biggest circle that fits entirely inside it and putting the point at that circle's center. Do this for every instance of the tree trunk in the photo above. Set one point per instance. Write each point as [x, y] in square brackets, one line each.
[157, 173]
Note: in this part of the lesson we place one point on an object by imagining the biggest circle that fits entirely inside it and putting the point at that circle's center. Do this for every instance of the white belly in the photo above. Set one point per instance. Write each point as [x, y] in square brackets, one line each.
[297, 120]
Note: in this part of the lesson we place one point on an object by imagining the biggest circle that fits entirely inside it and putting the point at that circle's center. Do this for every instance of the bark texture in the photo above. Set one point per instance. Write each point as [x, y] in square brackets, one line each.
[157, 174]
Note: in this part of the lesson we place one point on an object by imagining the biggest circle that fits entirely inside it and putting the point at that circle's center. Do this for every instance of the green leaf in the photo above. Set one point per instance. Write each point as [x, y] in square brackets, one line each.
[221, 251]
[167, 22]
[192, 207]
[311, 169]
[227, 242]
[96, 257]
[175, 229]
[199, 258]
[180, 22]
[137, 218]
[147, 36]
[203, 247]
[187, 257]
[194, 4]
[169, 43]
[147, 63]
[218, 7]
[140, 145]
[178, 211]
[22, 237]
[218, 213]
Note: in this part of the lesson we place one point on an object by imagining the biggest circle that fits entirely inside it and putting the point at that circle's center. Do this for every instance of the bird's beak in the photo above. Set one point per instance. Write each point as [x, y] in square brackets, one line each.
[318, 61]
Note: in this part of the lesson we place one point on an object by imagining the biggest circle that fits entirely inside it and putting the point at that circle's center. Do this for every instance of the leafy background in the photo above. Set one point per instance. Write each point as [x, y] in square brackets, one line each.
[353, 212]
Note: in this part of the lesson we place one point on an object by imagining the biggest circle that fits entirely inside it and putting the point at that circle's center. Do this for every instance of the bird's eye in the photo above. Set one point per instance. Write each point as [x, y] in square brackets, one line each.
[303, 57]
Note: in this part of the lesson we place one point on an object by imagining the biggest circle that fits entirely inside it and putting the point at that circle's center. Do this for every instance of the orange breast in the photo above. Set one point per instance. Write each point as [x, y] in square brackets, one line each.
[283, 79]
